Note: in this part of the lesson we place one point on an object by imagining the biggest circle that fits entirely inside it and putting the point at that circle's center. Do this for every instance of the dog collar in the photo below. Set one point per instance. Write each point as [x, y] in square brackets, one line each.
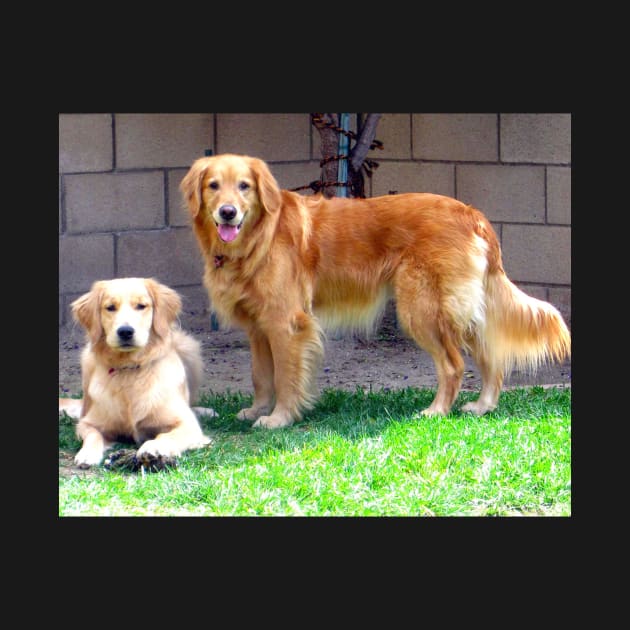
[218, 261]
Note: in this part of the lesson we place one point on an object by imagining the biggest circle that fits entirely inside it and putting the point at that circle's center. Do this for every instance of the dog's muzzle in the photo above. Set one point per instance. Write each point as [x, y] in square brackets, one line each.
[227, 231]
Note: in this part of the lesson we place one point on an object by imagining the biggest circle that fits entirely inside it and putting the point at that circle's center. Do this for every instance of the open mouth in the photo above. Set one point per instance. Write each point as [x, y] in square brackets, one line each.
[228, 232]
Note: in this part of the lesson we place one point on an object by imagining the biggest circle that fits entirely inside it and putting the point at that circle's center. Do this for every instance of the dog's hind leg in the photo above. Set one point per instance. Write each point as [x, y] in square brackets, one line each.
[449, 365]
[419, 314]
[491, 383]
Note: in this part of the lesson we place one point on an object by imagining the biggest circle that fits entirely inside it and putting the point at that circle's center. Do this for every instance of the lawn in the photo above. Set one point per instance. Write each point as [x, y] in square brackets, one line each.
[355, 454]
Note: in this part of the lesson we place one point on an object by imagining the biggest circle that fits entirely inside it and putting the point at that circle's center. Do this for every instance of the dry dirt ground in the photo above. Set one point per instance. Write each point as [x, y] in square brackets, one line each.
[384, 360]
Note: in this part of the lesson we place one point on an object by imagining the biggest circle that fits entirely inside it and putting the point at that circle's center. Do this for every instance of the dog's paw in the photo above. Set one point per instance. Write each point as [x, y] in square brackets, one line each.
[246, 414]
[164, 447]
[87, 457]
[170, 448]
[274, 421]
[476, 408]
[204, 440]
[431, 411]
[251, 413]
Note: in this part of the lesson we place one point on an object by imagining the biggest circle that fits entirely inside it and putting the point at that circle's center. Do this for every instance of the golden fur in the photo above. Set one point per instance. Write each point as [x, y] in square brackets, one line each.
[139, 371]
[278, 263]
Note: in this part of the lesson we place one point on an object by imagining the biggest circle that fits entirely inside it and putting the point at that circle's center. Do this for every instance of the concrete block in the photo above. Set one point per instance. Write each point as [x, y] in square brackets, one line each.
[85, 143]
[560, 297]
[413, 177]
[83, 260]
[178, 214]
[65, 314]
[538, 138]
[559, 195]
[270, 137]
[498, 228]
[455, 137]
[394, 131]
[194, 300]
[502, 192]
[114, 201]
[171, 256]
[537, 253]
[296, 175]
[77, 333]
[60, 210]
[162, 140]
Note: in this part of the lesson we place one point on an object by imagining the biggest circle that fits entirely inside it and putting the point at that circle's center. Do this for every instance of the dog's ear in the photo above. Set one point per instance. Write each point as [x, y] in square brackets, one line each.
[190, 186]
[268, 189]
[86, 311]
[166, 306]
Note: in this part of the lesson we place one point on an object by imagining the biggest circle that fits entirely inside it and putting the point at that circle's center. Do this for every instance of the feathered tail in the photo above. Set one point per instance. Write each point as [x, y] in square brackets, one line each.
[521, 332]
[189, 351]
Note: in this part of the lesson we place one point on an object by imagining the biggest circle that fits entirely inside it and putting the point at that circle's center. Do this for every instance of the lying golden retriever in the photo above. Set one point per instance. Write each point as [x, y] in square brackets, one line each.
[139, 372]
[278, 263]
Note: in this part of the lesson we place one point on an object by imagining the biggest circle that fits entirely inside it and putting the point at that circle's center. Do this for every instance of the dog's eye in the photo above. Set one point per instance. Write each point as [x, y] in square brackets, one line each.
[213, 185]
[111, 308]
[140, 307]
[243, 186]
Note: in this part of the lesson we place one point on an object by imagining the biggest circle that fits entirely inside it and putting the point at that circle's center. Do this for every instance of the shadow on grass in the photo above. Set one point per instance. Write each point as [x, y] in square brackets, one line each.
[358, 415]
[347, 415]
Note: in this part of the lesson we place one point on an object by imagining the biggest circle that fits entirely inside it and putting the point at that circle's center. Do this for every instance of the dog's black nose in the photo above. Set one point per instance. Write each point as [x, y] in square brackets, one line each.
[227, 212]
[125, 333]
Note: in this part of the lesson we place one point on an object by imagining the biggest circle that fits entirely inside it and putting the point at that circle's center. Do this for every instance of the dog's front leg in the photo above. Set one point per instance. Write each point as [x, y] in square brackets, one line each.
[94, 445]
[184, 432]
[297, 350]
[174, 443]
[262, 377]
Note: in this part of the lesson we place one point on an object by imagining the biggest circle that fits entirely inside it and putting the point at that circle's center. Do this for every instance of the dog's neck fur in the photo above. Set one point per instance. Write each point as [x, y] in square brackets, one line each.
[115, 360]
[124, 367]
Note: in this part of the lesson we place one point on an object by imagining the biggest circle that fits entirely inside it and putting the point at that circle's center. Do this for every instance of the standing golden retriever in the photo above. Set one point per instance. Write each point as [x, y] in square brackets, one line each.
[139, 371]
[277, 263]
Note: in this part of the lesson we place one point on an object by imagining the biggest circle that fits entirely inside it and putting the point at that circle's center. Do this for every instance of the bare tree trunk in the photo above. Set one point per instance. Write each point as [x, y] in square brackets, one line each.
[328, 127]
[330, 143]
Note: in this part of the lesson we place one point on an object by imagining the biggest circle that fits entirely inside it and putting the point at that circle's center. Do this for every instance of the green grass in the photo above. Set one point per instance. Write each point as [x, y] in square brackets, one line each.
[354, 454]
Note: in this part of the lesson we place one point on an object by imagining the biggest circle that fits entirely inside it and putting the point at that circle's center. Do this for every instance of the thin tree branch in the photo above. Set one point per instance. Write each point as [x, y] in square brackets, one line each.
[362, 146]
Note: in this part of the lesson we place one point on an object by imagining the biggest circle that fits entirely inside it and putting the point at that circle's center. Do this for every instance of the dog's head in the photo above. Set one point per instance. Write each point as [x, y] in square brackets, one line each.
[124, 312]
[232, 190]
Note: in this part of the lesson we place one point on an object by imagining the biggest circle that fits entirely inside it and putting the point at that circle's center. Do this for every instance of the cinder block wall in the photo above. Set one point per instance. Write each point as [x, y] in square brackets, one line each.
[120, 211]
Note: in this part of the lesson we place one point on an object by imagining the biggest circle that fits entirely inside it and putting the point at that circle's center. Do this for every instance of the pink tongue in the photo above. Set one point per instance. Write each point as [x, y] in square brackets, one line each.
[228, 232]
